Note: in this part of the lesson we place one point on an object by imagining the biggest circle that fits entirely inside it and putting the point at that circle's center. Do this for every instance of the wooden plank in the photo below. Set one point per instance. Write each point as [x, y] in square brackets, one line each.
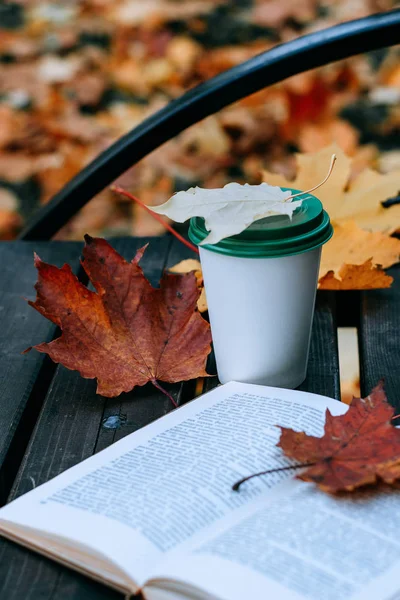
[211, 382]
[23, 378]
[74, 423]
[323, 362]
[379, 339]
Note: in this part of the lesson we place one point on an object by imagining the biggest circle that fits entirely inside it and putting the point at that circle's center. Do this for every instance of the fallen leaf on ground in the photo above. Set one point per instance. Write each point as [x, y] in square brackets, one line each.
[187, 266]
[275, 12]
[356, 277]
[86, 73]
[127, 333]
[227, 211]
[316, 136]
[10, 222]
[131, 12]
[354, 246]
[8, 200]
[360, 200]
[358, 448]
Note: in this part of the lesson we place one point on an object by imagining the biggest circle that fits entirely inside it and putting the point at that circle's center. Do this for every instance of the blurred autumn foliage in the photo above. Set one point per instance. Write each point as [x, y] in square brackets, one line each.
[76, 75]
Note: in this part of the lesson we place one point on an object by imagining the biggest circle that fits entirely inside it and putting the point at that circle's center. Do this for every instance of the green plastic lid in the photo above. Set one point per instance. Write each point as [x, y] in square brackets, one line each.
[275, 236]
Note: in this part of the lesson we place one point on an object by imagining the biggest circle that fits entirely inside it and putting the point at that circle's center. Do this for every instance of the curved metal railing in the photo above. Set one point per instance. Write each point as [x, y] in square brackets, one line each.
[305, 53]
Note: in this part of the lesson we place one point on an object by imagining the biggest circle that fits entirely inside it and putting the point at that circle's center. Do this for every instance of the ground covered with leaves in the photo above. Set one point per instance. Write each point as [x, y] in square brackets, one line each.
[75, 76]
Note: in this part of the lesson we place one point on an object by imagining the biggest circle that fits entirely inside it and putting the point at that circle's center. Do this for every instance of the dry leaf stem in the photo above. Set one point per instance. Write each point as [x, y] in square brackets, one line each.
[159, 387]
[330, 472]
[120, 190]
[237, 485]
[333, 160]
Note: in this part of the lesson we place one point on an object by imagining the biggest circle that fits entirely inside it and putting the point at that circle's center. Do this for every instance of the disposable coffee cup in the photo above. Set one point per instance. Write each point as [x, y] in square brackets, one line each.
[260, 287]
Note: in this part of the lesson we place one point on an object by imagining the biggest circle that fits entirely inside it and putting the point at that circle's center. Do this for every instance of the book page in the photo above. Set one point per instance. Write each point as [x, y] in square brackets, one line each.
[154, 490]
[301, 543]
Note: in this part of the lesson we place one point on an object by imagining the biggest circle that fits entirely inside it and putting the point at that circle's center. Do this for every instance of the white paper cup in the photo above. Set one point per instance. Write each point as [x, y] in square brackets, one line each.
[260, 289]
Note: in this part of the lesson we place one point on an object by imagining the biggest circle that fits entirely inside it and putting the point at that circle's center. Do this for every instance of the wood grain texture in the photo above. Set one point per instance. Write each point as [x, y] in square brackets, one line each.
[379, 339]
[323, 362]
[23, 378]
[71, 427]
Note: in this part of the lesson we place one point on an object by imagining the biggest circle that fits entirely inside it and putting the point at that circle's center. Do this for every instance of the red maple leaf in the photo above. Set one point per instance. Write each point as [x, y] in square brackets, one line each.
[359, 447]
[127, 333]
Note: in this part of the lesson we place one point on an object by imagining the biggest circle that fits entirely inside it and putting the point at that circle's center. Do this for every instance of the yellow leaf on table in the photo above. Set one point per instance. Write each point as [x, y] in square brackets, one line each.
[202, 301]
[360, 202]
[356, 277]
[311, 169]
[363, 201]
[353, 245]
[191, 264]
[187, 265]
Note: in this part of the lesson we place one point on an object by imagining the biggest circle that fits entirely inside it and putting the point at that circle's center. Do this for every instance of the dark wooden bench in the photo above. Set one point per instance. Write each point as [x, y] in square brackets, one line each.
[51, 418]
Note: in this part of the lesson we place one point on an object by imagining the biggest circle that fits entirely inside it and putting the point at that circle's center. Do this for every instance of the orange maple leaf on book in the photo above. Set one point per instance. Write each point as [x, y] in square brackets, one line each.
[358, 448]
[126, 333]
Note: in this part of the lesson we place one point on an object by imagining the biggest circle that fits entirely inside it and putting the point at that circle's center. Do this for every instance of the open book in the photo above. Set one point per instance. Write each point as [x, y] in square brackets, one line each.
[155, 512]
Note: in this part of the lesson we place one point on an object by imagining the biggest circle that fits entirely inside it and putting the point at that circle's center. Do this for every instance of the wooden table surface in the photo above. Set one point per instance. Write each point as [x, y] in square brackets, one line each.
[51, 418]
